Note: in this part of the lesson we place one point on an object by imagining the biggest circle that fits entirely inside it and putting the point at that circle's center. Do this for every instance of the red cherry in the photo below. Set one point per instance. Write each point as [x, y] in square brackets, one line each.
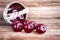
[26, 21]
[33, 23]
[28, 28]
[21, 18]
[17, 26]
[41, 28]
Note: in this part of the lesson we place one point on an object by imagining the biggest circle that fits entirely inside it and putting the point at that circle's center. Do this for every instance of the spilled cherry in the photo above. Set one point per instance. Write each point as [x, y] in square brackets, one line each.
[28, 27]
[21, 18]
[17, 26]
[41, 28]
[33, 23]
[26, 21]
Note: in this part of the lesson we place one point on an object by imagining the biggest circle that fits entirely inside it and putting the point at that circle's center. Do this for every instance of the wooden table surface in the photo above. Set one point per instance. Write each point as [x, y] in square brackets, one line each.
[42, 11]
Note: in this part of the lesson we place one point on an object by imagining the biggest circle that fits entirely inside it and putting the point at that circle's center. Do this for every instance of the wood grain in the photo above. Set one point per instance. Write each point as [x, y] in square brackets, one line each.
[30, 0]
[35, 4]
[25, 36]
[42, 11]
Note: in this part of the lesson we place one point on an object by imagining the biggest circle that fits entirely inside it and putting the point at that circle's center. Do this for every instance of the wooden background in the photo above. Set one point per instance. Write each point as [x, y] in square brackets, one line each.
[42, 11]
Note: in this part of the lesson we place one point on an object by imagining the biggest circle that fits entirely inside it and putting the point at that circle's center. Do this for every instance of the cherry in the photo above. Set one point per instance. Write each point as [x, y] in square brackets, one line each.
[26, 21]
[33, 23]
[28, 27]
[41, 28]
[17, 26]
[21, 18]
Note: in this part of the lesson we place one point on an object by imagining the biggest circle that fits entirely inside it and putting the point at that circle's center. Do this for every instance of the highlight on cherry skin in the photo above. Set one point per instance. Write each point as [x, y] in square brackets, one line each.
[26, 21]
[41, 28]
[17, 26]
[21, 18]
[28, 28]
[33, 23]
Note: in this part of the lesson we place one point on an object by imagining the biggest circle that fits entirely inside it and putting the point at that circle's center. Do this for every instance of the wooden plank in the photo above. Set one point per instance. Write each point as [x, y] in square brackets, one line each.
[43, 11]
[30, 0]
[37, 20]
[6, 29]
[35, 4]
[51, 26]
[2, 22]
[12, 36]
[48, 32]
[43, 21]
[26, 36]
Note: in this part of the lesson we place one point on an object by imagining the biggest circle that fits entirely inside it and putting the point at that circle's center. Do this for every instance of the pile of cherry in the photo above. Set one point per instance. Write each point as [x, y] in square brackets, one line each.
[28, 27]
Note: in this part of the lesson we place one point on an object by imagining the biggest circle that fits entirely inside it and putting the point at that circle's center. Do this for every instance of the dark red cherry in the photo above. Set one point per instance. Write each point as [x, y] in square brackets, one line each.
[41, 28]
[28, 28]
[26, 21]
[17, 26]
[21, 18]
[33, 23]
